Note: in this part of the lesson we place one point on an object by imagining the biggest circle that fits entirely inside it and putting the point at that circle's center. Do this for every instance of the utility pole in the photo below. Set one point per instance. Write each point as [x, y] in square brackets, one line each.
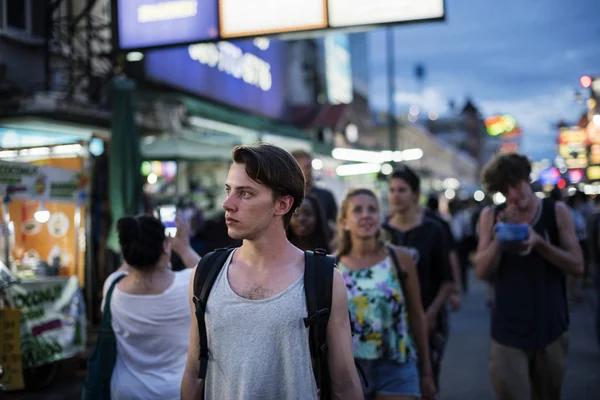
[420, 73]
[391, 69]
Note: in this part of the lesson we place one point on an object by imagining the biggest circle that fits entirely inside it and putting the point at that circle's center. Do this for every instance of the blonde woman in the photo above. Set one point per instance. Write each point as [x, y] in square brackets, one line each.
[390, 341]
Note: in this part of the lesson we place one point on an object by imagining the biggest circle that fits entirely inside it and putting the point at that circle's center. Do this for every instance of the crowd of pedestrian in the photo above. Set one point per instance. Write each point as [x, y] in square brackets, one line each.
[273, 317]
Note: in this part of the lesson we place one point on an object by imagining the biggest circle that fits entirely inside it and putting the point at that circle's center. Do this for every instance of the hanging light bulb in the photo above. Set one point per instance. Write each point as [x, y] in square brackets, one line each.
[42, 215]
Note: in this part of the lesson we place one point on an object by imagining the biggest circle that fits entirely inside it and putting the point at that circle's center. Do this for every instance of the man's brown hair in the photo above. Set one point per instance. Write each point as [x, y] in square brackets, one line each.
[505, 171]
[274, 168]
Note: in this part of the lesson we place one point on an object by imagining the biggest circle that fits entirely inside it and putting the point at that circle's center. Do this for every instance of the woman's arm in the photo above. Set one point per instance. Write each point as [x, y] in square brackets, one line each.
[180, 244]
[487, 257]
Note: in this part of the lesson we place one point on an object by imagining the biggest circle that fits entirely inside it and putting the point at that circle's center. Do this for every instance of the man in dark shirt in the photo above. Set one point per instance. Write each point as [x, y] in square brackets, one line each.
[425, 238]
[325, 196]
[530, 316]
[432, 211]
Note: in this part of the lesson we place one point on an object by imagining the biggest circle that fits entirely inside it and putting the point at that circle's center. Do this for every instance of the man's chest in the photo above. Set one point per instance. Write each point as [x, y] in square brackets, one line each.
[259, 286]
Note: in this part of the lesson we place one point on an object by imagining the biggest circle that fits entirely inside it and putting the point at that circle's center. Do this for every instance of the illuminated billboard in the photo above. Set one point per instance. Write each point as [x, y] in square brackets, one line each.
[504, 126]
[572, 146]
[248, 75]
[242, 18]
[338, 68]
[148, 24]
[151, 23]
[344, 13]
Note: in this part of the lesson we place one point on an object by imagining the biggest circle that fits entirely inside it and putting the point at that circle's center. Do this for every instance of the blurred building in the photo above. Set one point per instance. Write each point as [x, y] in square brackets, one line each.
[433, 159]
[466, 132]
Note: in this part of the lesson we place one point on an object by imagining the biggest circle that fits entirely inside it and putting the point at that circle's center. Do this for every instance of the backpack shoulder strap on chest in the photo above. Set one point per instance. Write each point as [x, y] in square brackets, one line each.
[204, 278]
[318, 287]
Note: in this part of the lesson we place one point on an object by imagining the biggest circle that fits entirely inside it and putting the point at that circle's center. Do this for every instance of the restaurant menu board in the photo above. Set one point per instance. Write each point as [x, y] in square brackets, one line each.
[240, 18]
[52, 241]
[27, 181]
[344, 13]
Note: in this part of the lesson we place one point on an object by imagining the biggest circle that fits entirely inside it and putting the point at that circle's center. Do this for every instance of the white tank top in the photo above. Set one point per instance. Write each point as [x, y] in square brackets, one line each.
[258, 349]
[153, 334]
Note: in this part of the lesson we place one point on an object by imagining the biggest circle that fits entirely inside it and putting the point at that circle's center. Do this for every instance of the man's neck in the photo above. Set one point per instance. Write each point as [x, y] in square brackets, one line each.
[407, 219]
[270, 250]
[532, 205]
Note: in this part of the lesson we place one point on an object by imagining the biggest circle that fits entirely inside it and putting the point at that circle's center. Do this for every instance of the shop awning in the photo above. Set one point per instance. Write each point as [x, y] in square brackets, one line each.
[233, 120]
[175, 148]
[319, 116]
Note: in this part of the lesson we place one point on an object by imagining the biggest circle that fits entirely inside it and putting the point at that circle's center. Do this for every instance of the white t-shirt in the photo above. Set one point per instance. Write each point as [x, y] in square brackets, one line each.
[153, 334]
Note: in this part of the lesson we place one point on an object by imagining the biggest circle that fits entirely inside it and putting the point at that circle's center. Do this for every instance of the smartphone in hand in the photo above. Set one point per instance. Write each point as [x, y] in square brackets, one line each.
[168, 216]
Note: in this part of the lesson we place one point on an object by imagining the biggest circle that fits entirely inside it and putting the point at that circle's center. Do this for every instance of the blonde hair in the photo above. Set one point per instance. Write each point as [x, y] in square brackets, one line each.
[344, 239]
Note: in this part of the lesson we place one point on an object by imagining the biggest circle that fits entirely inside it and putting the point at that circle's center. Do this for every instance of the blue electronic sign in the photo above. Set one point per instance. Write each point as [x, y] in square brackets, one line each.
[151, 23]
[249, 75]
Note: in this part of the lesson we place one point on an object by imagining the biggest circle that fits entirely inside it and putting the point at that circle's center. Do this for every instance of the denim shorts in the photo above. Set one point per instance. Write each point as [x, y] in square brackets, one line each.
[389, 378]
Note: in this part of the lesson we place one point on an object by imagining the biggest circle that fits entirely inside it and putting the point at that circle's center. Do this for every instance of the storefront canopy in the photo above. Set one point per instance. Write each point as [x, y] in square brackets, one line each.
[180, 148]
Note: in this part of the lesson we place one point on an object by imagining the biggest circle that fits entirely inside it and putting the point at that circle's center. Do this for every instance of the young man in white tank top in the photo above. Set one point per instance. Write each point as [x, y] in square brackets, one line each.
[257, 341]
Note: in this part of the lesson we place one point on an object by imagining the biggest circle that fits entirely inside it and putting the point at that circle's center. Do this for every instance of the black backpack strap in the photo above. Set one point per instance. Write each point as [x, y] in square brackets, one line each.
[204, 278]
[318, 288]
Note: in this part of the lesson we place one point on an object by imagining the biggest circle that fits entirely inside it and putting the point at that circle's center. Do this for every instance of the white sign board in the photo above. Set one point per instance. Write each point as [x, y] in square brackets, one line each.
[53, 319]
[240, 18]
[32, 182]
[344, 13]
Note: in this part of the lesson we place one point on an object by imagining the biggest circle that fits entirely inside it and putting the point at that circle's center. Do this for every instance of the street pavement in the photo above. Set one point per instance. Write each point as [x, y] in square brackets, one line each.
[465, 373]
[465, 368]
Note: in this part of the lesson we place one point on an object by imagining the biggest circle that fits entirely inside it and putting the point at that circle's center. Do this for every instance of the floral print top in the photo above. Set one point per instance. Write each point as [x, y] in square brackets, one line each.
[378, 313]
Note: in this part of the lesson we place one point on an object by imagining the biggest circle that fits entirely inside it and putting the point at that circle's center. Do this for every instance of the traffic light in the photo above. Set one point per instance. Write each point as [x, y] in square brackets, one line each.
[585, 81]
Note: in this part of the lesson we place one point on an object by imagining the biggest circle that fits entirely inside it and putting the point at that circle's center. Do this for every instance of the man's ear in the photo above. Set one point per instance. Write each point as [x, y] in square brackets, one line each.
[283, 205]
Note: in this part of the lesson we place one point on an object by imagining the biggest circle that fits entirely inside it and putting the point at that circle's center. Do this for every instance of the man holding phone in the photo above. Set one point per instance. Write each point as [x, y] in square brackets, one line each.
[530, 316]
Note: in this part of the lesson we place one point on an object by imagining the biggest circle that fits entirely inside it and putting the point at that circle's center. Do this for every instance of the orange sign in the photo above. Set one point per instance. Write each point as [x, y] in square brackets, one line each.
[572, 135]
[52, 241]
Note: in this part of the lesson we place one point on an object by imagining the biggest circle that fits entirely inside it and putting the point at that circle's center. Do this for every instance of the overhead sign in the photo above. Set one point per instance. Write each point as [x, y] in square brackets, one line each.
[146, 24]
[151, 23]
[338, 68]
[572, 146]
[248, 75]
[344, 13]
[32, 182]
[502, 125]
[242, 18]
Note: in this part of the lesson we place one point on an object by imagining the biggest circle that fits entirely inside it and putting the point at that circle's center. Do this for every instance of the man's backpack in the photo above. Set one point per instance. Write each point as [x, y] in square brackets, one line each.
[318, 284]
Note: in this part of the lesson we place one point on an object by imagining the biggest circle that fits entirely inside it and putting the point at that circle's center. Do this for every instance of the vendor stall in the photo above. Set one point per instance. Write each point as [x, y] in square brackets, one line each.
[43, 246]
